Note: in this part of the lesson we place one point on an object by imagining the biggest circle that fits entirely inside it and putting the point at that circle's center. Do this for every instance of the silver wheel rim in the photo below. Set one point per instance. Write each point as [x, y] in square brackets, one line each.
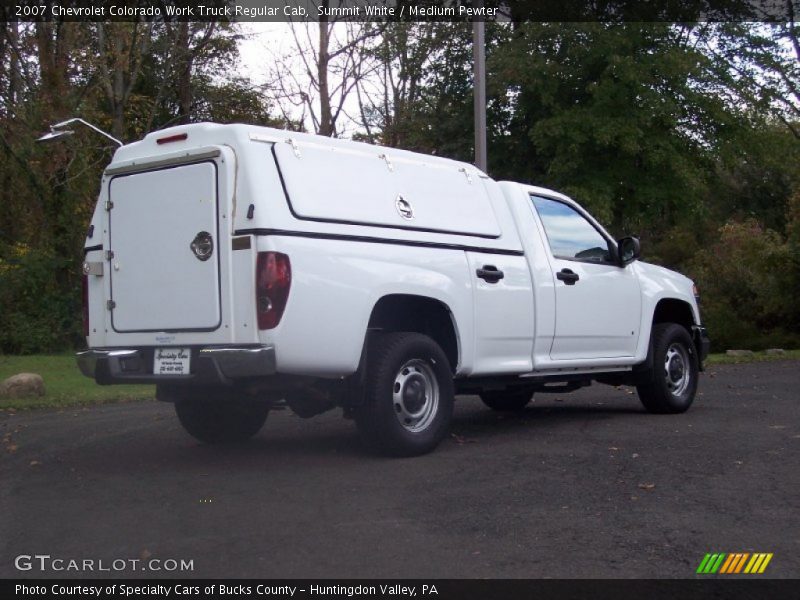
[677, 369]
[415, 395]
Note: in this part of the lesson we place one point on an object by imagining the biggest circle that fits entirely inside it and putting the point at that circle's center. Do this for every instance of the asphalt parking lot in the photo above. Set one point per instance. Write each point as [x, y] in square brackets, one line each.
[578, 485]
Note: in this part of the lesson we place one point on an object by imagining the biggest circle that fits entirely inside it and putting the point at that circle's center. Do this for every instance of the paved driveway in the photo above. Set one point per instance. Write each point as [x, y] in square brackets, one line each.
[579, 485]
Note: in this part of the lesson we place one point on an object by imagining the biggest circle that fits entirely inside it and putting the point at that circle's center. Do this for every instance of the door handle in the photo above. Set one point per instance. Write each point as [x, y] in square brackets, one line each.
[567, 276]
[490, 274]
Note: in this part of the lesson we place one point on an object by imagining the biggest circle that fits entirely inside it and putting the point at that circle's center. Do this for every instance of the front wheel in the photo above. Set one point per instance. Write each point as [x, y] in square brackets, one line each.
[219, 416]
[675, 371]
[409, 394]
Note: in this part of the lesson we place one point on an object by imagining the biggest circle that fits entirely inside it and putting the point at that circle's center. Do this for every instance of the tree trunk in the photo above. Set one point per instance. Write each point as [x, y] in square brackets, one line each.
[325, 116]
[9, 40]
[183, 56]
[54, 43]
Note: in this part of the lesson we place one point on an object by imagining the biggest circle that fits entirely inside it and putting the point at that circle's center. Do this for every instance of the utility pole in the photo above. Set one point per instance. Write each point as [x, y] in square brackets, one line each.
[479, 79]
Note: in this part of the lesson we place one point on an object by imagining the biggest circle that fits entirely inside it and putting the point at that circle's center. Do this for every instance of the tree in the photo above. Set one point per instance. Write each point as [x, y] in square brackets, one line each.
[129, 77]
[389, 102]
[320, 76]
[121, 48]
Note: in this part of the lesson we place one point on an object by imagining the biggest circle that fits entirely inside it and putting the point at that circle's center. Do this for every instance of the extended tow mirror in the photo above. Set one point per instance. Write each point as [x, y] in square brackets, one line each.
[628, 250]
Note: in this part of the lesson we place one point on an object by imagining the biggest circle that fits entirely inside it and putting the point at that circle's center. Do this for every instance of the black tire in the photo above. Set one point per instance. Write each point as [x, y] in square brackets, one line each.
[667, 392]
[506, 400]
[218, 416]
[408, 396]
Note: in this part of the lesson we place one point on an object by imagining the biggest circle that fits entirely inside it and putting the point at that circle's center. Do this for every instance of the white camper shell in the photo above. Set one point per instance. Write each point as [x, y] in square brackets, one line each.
[272, 266]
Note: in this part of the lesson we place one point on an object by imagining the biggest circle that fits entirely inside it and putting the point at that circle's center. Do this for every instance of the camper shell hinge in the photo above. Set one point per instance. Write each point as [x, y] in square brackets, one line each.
[295, 147]
[388, 162]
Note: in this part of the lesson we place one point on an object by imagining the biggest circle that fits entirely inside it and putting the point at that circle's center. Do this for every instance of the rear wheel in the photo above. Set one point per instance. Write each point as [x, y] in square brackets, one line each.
[675, 371]
[408, 397]
[218, 416]
[506, 400]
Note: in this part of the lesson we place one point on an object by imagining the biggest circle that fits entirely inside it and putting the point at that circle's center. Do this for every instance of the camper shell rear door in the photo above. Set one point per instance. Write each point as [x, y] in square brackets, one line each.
[164, 248]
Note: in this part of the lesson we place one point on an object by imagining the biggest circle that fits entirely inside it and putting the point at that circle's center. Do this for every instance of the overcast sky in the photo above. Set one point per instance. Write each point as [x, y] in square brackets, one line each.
[262, 42]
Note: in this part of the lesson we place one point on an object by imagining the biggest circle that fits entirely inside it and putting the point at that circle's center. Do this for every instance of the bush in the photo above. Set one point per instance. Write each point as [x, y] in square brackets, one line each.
[747, 292]
[35, 314]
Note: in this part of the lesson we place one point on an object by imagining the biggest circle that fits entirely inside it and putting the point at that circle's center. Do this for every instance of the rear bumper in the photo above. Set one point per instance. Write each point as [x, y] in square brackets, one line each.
[219, 364]
[702, 342]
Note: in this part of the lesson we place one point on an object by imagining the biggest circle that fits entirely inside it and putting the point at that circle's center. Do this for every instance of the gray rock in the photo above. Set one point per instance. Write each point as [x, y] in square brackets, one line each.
[22, 385]
[739, 352]
[775, 351]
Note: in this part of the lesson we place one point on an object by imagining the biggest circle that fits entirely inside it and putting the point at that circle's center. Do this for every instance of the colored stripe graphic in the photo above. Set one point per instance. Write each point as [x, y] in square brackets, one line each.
[717, 564]
[741, 562]
[757, 558]
[729, 562]
[703, 563]
[734, 563]
[711, 563]
[764, 564]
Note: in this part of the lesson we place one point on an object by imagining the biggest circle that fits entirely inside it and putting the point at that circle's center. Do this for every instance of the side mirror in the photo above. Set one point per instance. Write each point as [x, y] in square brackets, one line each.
[628, 250]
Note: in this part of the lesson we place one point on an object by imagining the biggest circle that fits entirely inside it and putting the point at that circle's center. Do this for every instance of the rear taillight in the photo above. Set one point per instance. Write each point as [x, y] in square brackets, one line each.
[273, 280]
[85, 295]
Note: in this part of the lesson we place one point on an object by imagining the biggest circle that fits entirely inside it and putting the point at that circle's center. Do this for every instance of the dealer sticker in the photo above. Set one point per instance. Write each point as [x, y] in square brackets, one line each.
[172, 361]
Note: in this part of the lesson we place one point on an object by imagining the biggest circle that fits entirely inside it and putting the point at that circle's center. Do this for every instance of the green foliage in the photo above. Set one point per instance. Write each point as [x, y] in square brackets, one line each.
[37, 315]
[747, 296]
[230, 102]
[620, 116]
[756, 174]
[137, 77]
[434, 116]
[661, 130]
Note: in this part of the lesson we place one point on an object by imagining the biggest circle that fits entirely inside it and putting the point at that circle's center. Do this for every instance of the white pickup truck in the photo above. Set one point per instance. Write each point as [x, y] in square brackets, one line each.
[241, 269]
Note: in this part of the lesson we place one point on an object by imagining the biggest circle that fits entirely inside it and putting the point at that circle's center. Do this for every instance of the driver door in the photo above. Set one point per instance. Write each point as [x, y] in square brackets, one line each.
[598, 303]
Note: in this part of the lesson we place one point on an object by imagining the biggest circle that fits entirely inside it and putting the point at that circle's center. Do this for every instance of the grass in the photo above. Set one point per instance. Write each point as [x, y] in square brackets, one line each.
[724, 359]
[64, 384]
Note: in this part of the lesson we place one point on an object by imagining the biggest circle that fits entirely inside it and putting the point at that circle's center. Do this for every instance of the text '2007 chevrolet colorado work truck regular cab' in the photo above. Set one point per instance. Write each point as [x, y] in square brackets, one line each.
[241, 268]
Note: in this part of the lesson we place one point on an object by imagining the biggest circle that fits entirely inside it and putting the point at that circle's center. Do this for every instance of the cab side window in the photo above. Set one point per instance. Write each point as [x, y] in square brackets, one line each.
[570, 235]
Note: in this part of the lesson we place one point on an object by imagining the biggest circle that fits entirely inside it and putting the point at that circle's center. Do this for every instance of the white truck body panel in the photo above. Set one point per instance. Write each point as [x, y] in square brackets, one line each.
[337, 320]
[503, 316]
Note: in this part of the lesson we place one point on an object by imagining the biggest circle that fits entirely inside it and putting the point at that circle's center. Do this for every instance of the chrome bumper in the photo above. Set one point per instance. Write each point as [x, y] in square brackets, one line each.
[122, 365]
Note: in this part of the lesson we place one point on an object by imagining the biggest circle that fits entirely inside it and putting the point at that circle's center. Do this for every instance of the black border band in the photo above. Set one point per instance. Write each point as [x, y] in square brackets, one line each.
[376, 240]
